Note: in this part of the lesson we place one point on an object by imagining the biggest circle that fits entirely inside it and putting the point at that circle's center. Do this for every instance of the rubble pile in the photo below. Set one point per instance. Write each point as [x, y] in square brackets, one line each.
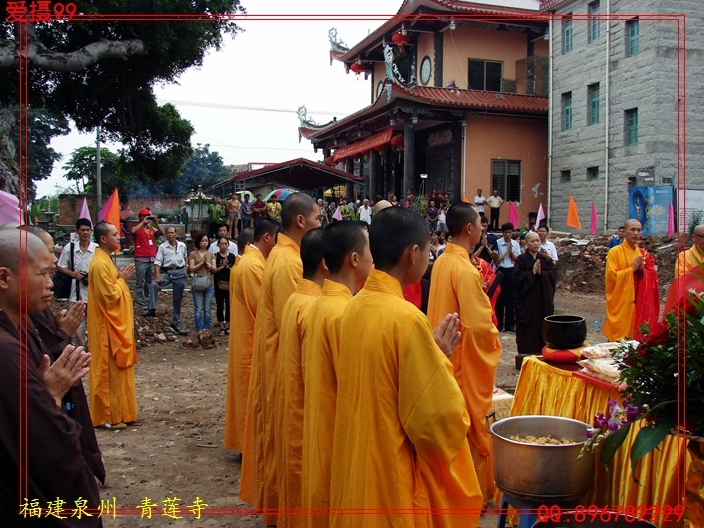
[582, 260]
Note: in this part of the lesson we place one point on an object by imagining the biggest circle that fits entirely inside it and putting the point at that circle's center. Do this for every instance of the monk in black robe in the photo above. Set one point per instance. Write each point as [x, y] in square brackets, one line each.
[40, 450]
[534, 279]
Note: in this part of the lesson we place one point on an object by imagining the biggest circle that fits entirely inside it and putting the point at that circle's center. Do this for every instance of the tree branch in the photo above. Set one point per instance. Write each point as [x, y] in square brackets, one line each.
[42, 57]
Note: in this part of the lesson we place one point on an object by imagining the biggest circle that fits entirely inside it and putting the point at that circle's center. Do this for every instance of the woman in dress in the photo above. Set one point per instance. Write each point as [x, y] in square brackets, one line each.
[221, 273]
[534, 277]
[200, 263]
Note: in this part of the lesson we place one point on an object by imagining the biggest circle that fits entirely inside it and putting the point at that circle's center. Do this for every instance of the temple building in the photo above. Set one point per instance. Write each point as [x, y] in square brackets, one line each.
[458, 103]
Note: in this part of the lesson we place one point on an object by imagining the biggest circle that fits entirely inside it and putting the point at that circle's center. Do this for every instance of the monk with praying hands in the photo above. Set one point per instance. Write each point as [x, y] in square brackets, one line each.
[400, 443]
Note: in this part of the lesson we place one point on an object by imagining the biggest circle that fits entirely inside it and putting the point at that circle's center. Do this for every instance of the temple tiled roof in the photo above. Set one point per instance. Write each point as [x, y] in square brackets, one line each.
[479, 99]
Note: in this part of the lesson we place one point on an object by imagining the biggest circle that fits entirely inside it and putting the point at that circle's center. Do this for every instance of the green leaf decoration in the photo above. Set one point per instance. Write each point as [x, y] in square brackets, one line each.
[612, 443]
[647, 439]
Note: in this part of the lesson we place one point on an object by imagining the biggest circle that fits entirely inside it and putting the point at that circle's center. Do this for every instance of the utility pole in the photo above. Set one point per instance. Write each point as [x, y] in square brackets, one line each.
[98, 182]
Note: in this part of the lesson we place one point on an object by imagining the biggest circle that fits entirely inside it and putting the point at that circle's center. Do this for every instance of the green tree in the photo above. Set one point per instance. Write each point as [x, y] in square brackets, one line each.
[78, 70]
[81, 168]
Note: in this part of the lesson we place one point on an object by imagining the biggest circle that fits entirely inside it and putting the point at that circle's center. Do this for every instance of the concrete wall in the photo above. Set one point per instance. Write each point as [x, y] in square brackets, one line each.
[508, 138]
[648, 81]
[70, 205]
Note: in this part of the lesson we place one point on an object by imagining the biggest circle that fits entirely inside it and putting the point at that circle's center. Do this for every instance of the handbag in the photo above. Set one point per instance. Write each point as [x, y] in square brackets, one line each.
[200, 282]
[223, 285]
[62, 282]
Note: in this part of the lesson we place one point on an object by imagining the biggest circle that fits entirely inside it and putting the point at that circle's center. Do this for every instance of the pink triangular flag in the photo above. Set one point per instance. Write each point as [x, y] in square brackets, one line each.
[337, 215]
[671, 221]
[513, 214]
[594, 220]
[111, 210]
[85, 213]
[540, 217]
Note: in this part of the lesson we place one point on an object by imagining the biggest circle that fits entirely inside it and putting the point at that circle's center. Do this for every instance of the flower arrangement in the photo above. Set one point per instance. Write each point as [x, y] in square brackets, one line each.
[662, 383]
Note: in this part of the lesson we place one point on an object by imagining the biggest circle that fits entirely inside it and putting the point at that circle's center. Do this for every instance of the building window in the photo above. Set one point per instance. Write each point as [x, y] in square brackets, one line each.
[506, 178]
[593, 104]
[567, 33]
[594, 23]
[485, 75]
[567, 111]
[565, 176]
[632, 31]
[631, 119]
[592, 173]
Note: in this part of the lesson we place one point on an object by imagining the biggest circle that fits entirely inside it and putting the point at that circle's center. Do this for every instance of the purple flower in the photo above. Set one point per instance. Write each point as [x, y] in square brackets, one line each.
[632, 412]
[590, 433]
[600, 420]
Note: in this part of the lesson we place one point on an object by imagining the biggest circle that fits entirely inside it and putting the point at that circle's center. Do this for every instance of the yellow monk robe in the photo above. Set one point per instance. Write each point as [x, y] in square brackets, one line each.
[321, 351]
[258, 480]
[245, 287]
[689, 260]
[288, 409]
[620, 292]
[110, 320]
[401, 423]
[456, 286]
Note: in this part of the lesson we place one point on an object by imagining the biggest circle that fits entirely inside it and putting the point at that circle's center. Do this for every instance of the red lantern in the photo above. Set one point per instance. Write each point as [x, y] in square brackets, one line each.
[357, 67]
[397, 142]
[400, 40]
[330, 160]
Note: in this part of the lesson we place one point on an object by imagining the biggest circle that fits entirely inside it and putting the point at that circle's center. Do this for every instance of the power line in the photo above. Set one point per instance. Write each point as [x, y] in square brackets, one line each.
[255, 108]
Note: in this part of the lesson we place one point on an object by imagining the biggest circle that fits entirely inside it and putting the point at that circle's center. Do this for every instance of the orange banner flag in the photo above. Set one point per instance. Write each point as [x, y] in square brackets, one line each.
[573, 215]
[111, 210]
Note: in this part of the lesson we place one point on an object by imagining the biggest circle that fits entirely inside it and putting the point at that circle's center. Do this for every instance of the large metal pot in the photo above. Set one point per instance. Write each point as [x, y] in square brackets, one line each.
[563, 332]
[541, 473]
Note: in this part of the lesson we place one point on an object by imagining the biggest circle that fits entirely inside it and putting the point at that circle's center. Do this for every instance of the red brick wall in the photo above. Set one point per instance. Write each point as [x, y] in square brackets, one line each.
[70, 205]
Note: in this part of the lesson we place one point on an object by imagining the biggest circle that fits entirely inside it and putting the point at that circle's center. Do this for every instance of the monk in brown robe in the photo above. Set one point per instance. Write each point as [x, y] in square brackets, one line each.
[50, 463]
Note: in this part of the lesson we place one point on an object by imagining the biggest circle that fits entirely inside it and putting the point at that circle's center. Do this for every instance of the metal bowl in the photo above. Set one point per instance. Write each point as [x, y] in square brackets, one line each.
[563, 332]
[540, 473]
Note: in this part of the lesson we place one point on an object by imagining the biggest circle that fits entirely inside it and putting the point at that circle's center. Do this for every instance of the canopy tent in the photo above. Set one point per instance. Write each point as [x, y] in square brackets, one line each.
[301, 173]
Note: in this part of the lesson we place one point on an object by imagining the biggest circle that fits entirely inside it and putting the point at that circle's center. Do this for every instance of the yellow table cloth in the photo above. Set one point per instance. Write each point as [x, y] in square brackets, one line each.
[547, 390]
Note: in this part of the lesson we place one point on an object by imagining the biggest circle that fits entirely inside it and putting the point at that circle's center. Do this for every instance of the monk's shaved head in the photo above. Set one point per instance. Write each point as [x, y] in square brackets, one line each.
[531, 234]
[101, 229]
[393, 231]
[296, 204]
[311, 252]
[16, 244]
[381, 204]
[459, 215]
[265, 225]
[631, 221]
[698, 230]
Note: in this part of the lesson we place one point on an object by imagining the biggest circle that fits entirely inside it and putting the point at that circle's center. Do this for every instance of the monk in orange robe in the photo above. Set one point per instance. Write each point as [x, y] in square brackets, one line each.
[300, 214]
[692, 258]
[456, 286]
[113, 397]
[288, 410]
[400, 422]
[245, 287]
[624, 264]
[348, 258]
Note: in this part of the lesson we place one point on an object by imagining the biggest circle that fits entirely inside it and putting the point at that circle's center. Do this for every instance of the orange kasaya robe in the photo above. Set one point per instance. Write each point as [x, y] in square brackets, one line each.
[621, 321]
[321, 350]
[110, 320]
[258, 480]
[689, 260]
[288, 411]
[245, 287]
[400, 422]
[456, 286]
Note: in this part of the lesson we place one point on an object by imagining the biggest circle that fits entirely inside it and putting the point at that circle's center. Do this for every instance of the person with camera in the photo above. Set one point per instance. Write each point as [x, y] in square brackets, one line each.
[75, 262]
[144, 236]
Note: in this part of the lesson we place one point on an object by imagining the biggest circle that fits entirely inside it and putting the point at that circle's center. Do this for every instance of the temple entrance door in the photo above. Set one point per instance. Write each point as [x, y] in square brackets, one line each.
[438, 165]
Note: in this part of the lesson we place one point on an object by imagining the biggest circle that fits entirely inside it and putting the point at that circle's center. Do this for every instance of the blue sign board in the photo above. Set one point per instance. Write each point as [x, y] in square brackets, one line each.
[651, 206]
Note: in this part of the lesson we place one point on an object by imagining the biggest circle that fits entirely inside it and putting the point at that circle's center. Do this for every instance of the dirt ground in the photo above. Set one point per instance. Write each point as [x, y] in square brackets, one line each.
[175, 451]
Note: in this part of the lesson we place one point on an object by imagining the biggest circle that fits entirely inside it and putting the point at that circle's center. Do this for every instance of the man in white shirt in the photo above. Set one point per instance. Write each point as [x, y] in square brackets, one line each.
[171, 261]
[547, 247]
[508, 250]
[222, 233]
[365, 212]
[495, 202]
[83, 251]
[479, 202]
